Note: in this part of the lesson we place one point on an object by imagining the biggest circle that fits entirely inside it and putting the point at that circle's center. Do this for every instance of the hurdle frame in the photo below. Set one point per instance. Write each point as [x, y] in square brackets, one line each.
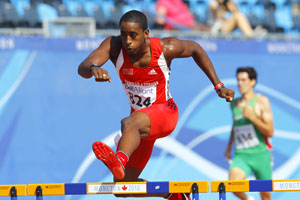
[146, 187]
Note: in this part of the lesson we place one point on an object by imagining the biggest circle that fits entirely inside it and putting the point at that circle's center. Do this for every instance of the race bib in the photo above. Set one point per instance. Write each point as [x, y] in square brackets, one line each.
[140, 96]
[245, 136]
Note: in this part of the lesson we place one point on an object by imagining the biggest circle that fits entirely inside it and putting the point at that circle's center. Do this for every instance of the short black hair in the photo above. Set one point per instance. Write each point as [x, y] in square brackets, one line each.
[136, 17]
[250, 71]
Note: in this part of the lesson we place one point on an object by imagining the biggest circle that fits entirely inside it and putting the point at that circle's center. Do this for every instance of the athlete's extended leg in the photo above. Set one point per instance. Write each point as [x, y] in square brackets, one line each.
[134, 127]
[238, 174]
[146, 124]
[139, 132]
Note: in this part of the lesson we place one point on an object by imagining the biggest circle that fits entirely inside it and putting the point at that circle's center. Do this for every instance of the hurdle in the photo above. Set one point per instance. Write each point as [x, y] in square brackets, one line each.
[283, 185]
[194, 187]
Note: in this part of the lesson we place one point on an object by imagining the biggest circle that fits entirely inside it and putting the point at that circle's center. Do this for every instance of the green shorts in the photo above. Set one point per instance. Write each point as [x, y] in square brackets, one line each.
[258, 163]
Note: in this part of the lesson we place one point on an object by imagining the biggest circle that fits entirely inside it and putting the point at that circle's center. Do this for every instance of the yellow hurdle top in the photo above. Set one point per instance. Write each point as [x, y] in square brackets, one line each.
[5, 190]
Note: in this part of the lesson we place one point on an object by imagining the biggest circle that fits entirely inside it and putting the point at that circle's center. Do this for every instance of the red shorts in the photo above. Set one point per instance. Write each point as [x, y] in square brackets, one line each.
[163, 119]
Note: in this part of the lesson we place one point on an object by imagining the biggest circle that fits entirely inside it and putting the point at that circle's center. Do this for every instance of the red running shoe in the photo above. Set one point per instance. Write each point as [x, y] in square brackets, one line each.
[109, 158]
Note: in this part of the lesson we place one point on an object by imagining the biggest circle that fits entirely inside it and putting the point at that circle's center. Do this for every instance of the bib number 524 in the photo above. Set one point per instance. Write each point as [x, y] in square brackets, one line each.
[139, 101]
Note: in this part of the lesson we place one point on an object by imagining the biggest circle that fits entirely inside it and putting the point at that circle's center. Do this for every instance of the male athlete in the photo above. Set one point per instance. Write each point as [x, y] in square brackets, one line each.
[252, 126]
[143, 65]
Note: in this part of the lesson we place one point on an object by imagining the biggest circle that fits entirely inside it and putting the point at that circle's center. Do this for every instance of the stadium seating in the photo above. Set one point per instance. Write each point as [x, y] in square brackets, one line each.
[199, 9]
[62, 11]
[99, 17]
[20, 5]
[283, 17]
[296, 23]
[9, 14]
[46, 11]
[274, 15]
[31, 17]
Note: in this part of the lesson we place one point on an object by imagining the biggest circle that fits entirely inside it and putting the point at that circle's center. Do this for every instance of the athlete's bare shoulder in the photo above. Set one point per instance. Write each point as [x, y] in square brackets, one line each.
[263, 109]
[172, 47]
[263, 101]
[170, 43]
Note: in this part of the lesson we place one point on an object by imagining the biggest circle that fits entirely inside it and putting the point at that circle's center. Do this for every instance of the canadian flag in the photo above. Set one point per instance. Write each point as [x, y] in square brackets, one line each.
[124, 187]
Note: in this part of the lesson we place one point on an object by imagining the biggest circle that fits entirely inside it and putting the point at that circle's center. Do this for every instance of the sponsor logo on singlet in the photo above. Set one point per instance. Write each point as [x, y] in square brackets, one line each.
[140, 94]
[152, 72]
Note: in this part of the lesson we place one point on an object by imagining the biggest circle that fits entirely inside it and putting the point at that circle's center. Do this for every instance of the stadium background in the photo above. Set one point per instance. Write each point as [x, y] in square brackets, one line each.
[50, 116]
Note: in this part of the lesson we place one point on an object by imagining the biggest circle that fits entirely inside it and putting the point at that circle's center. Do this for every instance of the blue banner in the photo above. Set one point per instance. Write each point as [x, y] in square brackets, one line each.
[50, 116]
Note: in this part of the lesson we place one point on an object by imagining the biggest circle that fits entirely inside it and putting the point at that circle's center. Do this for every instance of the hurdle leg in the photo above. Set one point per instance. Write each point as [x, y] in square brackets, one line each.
[222, 193]
[39, 193]
[13, 193]
[195, 194]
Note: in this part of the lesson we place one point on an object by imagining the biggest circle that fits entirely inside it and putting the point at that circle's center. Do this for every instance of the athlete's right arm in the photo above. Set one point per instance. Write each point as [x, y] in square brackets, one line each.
[90, 66]
[176, 48]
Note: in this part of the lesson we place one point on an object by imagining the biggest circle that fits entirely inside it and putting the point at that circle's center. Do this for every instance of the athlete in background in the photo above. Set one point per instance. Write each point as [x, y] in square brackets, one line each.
[143, 65]
[252, 126]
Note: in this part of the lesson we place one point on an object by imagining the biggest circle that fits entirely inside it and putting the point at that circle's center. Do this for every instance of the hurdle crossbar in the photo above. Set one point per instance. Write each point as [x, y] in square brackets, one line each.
[193, 187]
[119, 188]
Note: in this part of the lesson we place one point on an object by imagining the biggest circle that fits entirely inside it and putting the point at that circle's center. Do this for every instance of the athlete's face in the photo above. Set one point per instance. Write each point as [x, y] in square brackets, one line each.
[244, 83]
[133, 37]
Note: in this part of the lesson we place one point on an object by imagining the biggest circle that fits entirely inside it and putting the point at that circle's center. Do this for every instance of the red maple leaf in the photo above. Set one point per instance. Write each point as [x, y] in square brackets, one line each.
[124, 187]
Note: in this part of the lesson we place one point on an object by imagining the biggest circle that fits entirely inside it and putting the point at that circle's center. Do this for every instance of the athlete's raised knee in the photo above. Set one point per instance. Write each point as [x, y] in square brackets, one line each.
[127, 122]
[137, 122]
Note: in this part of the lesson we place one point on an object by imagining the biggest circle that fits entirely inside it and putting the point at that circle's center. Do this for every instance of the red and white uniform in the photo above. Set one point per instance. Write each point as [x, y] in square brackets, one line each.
[148, 85]
[148, 91]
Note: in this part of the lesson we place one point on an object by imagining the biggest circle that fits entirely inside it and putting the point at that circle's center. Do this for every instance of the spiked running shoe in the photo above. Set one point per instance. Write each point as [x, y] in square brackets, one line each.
[109, 158]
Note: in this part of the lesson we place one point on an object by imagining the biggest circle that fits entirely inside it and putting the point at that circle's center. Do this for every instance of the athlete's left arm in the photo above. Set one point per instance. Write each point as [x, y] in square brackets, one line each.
[264, 122]
[175, 48]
